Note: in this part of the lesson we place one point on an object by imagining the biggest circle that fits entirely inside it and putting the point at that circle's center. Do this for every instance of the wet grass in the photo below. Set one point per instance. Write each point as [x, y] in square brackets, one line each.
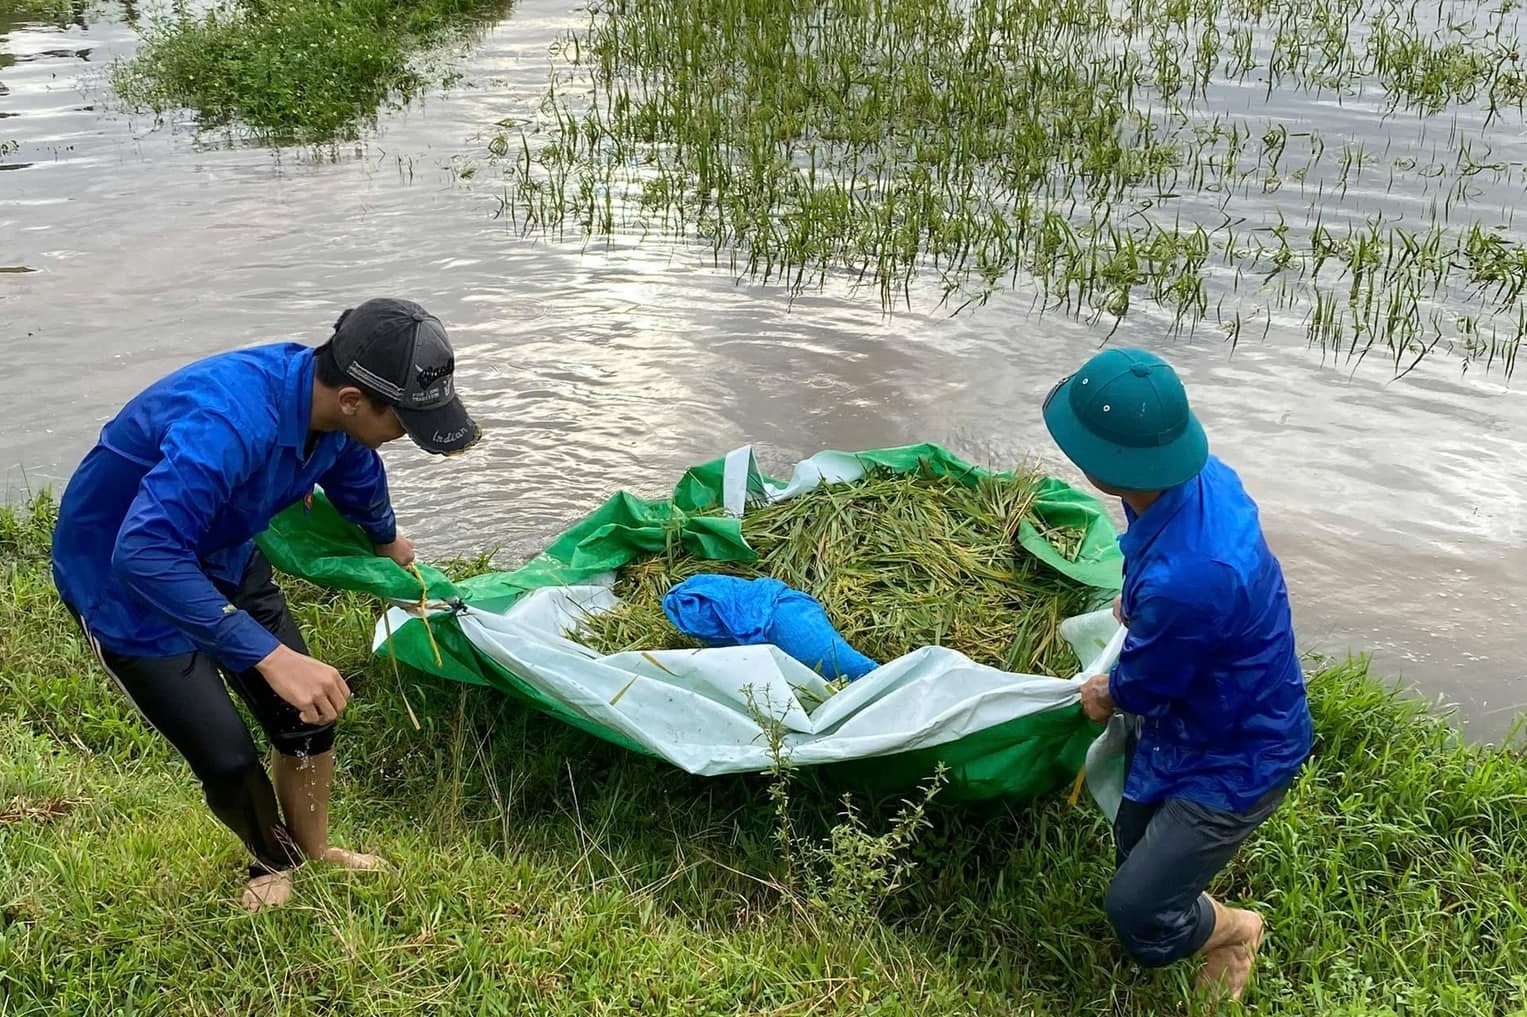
[305, 72]
[541, 871]
[1183, 158]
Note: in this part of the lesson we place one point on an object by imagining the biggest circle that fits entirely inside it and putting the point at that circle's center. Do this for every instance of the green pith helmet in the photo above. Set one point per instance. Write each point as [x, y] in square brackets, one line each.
[1124, 420]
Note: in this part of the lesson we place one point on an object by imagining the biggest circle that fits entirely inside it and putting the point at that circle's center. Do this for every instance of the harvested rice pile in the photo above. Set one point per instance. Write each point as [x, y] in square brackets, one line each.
[898, 562]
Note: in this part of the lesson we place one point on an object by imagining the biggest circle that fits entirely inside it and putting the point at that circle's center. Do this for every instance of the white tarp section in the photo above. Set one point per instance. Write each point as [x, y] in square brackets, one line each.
[710, 711]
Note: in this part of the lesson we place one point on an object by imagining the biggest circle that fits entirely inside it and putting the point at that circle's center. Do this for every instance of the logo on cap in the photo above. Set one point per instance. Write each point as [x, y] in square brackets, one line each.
[451, 437]
[429, 375]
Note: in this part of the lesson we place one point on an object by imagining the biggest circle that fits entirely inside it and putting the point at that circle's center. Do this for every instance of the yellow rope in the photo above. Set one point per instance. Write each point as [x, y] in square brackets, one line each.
[424, 612]
[1076, 788]
[392, 652]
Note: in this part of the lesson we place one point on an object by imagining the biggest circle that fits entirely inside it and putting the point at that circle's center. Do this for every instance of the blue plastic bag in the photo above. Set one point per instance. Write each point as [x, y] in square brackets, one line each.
[731, 611]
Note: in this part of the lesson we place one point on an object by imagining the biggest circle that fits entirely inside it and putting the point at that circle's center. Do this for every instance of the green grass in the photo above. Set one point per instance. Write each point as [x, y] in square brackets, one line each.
[303, 72]
[59, 12]
[543, 872]
[1100, 152]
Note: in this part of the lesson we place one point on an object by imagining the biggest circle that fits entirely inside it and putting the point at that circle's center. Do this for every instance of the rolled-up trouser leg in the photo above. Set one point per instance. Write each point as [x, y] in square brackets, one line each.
[258, 594]
[183, 698]
[1168, 854]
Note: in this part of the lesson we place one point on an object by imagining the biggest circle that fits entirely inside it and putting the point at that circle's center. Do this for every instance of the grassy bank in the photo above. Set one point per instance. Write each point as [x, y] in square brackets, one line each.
[298, 71]
[543, 872]
[1213, 163]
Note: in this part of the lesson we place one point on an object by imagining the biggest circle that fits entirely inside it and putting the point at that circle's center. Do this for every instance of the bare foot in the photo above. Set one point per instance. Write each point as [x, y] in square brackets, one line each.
[268, 891]
[1228, 969]
[352, 859]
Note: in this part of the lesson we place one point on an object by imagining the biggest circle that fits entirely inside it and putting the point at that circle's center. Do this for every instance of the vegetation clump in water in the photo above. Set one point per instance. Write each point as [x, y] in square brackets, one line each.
[304, 72]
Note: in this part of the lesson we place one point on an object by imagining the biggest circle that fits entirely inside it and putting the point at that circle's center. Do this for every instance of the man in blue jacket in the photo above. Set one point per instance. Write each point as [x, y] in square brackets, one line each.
[1208, 676]
[154, 555]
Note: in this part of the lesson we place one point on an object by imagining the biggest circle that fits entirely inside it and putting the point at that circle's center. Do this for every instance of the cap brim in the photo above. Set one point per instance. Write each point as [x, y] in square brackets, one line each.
[445, 430]
[1154, 468]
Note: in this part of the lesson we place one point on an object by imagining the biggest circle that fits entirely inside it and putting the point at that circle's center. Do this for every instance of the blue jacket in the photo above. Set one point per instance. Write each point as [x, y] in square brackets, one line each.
[177, 487]
[1209, 664]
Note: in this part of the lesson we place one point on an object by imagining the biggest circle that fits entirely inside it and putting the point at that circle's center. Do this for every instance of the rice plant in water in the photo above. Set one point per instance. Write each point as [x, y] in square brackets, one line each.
[1101, 154]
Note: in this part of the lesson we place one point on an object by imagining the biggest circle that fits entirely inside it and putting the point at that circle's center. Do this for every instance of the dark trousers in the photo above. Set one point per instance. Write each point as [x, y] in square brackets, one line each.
[1168, 852]
[186, 700]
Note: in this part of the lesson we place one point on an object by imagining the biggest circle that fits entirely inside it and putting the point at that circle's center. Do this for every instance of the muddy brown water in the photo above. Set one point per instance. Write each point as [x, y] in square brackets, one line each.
[129, 247]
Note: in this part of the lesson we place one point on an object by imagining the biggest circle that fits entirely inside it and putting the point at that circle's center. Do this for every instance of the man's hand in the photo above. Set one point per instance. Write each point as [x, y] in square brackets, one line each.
[400, 550]
[1118, 610]
[313, 687]
[1097, 704]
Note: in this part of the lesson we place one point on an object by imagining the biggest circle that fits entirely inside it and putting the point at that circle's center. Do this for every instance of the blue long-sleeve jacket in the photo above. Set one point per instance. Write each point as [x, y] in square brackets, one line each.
[180, 483]
[1210, 663]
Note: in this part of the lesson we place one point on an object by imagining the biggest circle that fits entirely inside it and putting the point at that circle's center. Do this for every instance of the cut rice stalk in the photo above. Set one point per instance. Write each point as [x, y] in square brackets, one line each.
[898, 561]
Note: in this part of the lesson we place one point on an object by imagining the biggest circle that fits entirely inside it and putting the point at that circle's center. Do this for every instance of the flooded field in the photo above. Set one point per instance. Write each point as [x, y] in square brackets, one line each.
[1301, 209]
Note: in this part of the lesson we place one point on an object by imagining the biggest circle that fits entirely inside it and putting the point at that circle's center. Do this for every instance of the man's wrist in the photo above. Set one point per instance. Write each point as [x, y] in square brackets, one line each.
[272, 657]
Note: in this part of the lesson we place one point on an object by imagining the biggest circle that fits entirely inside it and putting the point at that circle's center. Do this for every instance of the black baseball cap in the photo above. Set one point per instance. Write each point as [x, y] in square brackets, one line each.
[400, 351]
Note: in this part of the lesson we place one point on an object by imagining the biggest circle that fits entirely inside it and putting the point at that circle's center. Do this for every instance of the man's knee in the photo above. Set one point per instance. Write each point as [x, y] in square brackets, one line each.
[1154, 931]
[227, 779]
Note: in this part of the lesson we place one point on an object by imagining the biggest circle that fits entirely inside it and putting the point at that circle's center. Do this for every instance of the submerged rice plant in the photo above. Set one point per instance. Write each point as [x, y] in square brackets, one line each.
[1101, 152]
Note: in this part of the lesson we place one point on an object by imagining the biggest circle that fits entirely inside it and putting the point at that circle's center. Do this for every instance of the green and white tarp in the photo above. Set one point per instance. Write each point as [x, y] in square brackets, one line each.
[709, 711]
